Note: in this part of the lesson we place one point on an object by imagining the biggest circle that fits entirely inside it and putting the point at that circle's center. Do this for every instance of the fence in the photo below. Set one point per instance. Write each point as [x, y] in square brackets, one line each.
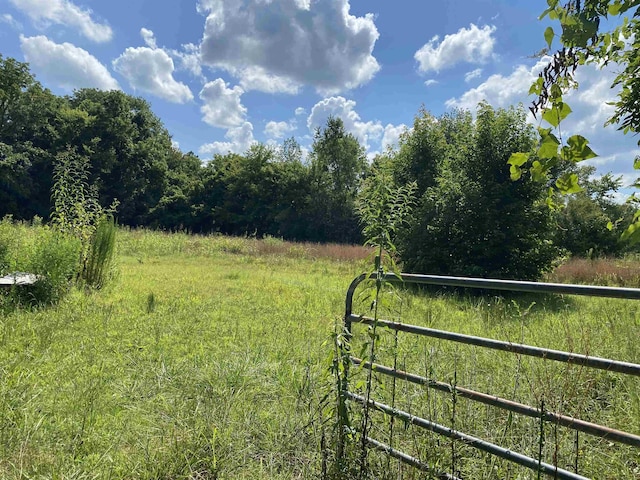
[538, 413]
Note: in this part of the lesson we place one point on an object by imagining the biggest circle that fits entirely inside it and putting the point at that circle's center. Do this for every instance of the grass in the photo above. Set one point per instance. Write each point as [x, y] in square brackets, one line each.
[600, 271]
[207, 358]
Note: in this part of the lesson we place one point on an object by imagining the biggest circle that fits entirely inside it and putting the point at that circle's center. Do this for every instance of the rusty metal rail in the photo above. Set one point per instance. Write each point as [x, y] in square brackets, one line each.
[572, 423]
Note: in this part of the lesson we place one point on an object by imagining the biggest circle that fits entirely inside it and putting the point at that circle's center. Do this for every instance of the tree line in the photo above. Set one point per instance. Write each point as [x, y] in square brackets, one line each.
[469, 217]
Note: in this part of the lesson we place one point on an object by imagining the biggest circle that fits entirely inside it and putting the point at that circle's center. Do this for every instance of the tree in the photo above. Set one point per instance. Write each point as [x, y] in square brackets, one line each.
[588, 221]
[471, 219]
[129, 149]
[338, 165]
[29, 141]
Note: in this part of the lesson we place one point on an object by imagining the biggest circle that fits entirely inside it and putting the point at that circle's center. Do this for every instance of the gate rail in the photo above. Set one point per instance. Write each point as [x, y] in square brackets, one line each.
[576, 424]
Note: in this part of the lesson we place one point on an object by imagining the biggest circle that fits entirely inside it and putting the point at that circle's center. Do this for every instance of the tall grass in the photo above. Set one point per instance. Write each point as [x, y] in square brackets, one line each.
[623, 272]
[205, 363]
[99, 262]
[142, 243]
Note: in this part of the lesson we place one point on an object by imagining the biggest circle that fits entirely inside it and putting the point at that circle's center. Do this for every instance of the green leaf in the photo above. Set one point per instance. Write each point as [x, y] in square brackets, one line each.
[556, 113]
[538, 172]
[577, 30]
[632, 233]
[614, 9]
[548, 36]
[636, 163]
[536, 87]
[515, 172]
[577, 149]
[548, 146]
[518, 159]
[568, 183]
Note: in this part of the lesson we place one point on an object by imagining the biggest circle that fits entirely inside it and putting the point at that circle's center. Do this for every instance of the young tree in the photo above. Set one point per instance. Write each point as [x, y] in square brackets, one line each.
[338, 165]
[472, 220]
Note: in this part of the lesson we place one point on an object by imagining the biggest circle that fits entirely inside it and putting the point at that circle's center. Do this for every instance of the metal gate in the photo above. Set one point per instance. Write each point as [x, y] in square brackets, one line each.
[539, 413]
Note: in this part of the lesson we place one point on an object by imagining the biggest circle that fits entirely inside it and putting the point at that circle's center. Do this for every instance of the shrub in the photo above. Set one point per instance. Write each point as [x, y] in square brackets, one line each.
[47, 253]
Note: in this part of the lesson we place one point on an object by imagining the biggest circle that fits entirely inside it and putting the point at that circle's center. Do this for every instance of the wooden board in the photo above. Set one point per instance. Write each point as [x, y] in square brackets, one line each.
[18, 279]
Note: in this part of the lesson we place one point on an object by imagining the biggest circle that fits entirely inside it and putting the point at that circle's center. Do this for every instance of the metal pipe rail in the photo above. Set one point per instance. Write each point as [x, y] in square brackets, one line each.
[575, 424]
[472, 441]
[557, 355]
[409, 460]
[516, 407]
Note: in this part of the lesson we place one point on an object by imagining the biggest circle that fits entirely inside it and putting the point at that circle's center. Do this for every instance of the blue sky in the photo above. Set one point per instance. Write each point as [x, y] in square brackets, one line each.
[224, 73]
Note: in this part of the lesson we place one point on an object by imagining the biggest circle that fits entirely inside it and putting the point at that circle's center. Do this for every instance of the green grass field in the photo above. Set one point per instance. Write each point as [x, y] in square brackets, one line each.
[207, 358]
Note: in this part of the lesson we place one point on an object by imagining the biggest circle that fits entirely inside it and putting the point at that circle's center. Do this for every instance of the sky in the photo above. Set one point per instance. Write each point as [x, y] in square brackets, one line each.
[222, 74]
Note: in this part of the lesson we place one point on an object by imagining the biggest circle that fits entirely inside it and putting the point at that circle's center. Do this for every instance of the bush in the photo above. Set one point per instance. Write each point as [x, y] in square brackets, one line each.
[47, 253]
[471, 219]
[54, 258]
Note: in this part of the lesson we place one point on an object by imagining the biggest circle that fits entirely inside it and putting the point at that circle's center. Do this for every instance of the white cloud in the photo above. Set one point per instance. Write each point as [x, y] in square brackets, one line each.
[257, 78]
[66, 65]
[150, 70]
[222, 106]
[280, 46]
[472, 74]
[12, 22]
[430, 82]
[343, 108]
[301, 111]
[392, 135]
[149, 38]
[589, 104]
[175, 144]
[279, 129]
[500, 90]
[240, 139]
[189, 58]
[472, 45]
[64, 12]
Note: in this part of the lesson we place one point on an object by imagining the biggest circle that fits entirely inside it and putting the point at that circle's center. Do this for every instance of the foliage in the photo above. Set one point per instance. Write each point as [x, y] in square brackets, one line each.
[100, 256]
[583, 41]
[470, 218]
[589, 221]
[383, 207]
[49, 254]
[337, 166]
[78, 212]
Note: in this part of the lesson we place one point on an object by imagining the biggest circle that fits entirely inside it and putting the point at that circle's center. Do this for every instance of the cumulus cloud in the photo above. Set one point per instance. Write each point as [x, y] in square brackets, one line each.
[189, 58]
[66, 65]
[150, 70]
[343, 108]
[392, 135]
[471, 45]
[257, 78]
[499, 90]
[301, 111]
[281, 46]
[240, 139]
[430, 82]
[64, 12]
[279, 129]
[149, 38]
[472, 74]
[222, 106]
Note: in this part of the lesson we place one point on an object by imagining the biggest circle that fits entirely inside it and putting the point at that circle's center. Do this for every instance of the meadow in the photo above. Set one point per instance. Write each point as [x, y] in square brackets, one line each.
[207, 357]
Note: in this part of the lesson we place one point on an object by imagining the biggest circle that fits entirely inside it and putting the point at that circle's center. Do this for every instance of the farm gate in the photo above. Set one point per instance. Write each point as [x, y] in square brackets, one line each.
[539, 413]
